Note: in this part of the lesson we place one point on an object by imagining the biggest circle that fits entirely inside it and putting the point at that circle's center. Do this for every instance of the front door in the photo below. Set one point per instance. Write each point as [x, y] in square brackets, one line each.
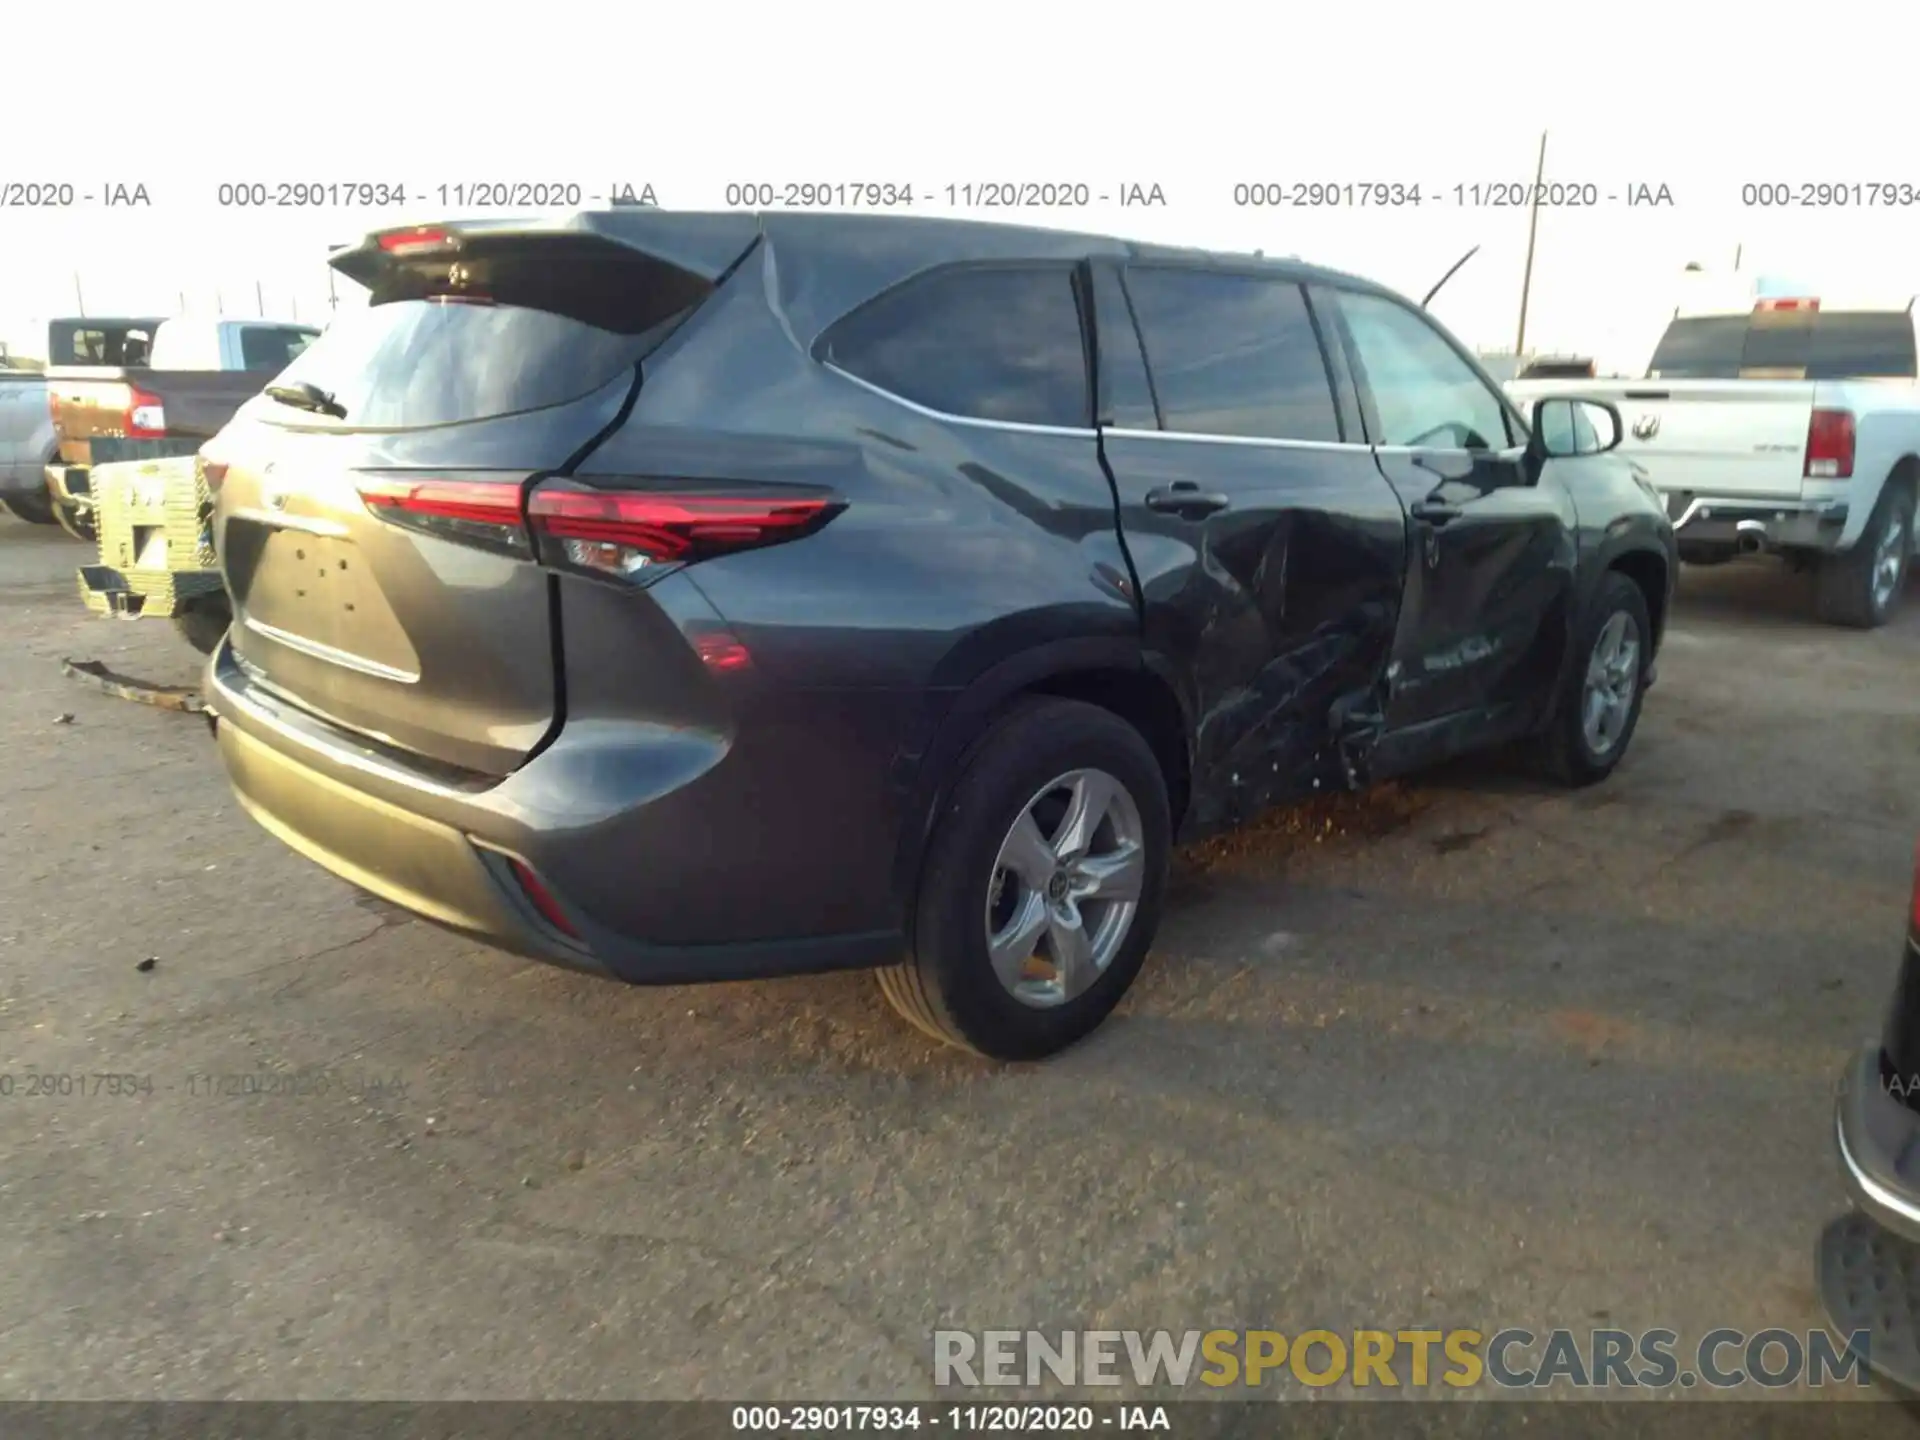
[1493, 550]
[1268, 549]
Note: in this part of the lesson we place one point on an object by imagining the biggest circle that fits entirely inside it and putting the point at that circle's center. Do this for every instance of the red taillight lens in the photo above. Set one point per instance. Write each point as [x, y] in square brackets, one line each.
[1830, 445]
[475, 512]
[542, 899]
[1913, 910]
[414, 242]
[1798, 303]
[146, 416]
[625, 532]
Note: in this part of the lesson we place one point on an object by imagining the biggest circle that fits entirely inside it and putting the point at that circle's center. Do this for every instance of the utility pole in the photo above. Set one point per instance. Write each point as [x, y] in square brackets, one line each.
[1737, 252]
[1533, 231]
[78, 298]
[260, 299]
[219, 303]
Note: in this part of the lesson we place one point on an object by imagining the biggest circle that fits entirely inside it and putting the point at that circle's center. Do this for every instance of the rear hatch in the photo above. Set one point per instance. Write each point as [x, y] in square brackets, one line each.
[371, 504]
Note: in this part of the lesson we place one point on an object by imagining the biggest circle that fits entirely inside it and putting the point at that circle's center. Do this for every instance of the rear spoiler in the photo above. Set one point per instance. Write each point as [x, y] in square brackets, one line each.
[703, 243]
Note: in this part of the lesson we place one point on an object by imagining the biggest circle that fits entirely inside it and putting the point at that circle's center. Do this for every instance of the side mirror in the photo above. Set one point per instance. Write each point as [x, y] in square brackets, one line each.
[1568, 425]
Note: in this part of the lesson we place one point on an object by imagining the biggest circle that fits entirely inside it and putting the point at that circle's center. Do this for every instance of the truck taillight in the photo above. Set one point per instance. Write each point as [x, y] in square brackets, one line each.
[146, 416]
[1829, 445]
[625, 533]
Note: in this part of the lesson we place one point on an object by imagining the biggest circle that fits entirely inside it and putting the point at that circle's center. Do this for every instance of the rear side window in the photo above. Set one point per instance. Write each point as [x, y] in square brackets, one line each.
[1233, 355]
[269, 348]
[502, 331]
[1000, 343]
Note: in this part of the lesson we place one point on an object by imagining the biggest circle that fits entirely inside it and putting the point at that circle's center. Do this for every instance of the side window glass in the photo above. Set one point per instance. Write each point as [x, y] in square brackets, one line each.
[1126, 396]
[1233, 355]
[999, 343]
[1424, 393]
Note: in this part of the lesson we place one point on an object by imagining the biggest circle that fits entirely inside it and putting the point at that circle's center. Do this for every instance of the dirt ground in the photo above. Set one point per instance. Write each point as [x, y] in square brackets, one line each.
[1472, 1052]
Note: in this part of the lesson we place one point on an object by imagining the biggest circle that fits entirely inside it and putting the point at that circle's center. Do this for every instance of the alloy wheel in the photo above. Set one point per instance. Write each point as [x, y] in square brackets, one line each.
[1065, 888]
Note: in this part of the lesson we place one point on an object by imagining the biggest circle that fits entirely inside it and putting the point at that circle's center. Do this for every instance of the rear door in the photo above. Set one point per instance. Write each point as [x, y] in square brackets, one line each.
[381, 573]
[1268, 549]
[1484, 623]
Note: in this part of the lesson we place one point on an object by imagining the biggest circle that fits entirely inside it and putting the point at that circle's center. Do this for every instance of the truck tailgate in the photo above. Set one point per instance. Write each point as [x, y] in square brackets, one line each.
[1726, 438]
[95, 404]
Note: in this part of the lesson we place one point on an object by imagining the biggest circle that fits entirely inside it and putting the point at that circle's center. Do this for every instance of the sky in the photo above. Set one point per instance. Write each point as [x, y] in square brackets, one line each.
[1195, 99]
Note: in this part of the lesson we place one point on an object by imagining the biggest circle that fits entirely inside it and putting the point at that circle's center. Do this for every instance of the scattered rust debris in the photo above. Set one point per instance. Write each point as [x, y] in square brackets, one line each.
[1343, 815]
[183, 698]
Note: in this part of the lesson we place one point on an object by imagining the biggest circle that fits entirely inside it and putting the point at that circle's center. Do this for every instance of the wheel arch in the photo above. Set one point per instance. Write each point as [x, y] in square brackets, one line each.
[1651, 571]
[1117, 675]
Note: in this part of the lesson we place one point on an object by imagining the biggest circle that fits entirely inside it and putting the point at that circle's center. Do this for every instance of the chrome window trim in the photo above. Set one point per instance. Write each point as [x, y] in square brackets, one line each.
[1017, 427]
[1259, 441]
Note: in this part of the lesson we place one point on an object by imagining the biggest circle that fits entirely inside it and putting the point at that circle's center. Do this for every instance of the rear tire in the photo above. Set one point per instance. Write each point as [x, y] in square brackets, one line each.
[1604, 683]
[33, 506]
[1097, 886]
[203, 623]
[1856, 588]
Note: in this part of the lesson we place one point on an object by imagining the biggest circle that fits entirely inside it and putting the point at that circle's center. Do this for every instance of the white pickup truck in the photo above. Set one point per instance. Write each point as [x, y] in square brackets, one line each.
[1792, 428]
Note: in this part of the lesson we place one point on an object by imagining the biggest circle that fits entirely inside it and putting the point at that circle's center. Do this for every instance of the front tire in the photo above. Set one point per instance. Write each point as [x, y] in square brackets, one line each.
[1860, 588]
[1599, 708]
[1042, 886]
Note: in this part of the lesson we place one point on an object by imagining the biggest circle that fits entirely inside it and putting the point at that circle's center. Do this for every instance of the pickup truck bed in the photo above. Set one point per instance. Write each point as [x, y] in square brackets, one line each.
[105, 415]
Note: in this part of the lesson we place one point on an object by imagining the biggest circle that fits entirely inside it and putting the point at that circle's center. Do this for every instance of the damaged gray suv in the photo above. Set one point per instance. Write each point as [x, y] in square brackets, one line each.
[690, 597]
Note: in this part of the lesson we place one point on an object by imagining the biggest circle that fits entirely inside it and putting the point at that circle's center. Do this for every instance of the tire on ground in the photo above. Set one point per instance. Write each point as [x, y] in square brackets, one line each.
[1843, 585]
[948, 987]
[1567, 754]
[33, 506]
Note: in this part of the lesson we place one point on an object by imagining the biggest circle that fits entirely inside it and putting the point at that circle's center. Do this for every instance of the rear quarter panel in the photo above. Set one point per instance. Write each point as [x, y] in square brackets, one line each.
[962, 546]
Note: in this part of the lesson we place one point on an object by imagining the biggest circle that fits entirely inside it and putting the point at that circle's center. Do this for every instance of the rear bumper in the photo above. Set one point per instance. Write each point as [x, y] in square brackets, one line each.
[1876, 1134]
[1734, 523]
[445, 846]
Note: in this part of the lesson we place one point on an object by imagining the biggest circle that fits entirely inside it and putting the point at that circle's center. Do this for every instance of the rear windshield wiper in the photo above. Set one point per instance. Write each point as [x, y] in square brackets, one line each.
[304, 396]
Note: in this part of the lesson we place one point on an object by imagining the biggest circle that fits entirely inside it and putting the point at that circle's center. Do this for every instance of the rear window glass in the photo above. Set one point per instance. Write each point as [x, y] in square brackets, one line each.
[495, 334]
[1810, 345]
[79, 343]
[987, 343]
[269, 348]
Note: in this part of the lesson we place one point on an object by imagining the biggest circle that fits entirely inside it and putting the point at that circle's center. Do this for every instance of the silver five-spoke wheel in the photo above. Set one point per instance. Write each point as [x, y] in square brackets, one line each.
[1065, 888]
[1613, 678]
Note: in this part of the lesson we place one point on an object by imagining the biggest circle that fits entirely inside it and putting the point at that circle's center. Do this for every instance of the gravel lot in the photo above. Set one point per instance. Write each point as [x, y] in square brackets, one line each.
[1466, 1053]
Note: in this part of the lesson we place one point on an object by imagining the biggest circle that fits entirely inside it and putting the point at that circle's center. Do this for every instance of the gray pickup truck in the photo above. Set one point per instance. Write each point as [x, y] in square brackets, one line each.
[28, 443]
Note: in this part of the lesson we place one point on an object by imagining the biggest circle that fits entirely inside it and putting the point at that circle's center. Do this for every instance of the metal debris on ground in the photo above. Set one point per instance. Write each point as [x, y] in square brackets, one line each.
[183, 698]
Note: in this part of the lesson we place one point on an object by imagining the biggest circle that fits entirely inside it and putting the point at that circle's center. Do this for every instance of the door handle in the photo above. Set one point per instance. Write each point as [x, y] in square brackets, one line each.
[1434, 512]
[1187, 500]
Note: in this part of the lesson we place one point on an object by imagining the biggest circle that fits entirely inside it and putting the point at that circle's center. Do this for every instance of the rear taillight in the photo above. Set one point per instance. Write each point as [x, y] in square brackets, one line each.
[485, 513]
[146, 416]
[1799, 302]
[628, 532]
[1913, 908]
[1830, 445]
